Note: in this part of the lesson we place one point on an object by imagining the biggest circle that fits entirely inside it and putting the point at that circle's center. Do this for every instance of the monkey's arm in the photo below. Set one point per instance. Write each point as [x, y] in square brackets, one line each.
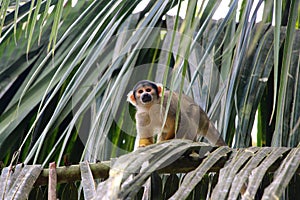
[145, 136]
[144, 129]
[168, 131]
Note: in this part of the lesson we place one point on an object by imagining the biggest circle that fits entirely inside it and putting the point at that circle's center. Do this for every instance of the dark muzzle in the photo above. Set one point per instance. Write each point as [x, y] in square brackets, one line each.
[146, 98]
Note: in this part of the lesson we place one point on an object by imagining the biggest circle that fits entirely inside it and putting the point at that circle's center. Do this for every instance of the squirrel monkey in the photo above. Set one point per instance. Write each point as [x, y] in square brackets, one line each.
[146, 96]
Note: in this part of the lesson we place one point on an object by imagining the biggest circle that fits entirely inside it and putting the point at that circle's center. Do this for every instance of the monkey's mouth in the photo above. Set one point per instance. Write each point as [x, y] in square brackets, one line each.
[146, 98]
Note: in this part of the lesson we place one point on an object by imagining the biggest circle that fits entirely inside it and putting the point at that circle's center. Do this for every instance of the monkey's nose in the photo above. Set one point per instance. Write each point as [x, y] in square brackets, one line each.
[146, 98]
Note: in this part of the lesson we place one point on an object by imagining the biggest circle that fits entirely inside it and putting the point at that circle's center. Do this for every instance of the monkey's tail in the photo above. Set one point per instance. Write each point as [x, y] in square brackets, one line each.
[213, 136]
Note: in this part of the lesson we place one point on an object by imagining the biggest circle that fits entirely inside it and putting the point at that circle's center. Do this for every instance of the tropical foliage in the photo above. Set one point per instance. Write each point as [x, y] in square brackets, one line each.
[65, 71]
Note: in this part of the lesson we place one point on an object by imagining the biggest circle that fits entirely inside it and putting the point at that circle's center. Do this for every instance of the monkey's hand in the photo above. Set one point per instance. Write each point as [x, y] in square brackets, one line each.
[145, 141]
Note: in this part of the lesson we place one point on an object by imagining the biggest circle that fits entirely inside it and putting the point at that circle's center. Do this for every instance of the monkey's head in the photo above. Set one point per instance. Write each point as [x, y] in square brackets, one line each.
[145, 93]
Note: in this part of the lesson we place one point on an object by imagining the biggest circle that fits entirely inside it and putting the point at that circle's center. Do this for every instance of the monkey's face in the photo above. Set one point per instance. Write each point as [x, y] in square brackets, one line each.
[145, 93]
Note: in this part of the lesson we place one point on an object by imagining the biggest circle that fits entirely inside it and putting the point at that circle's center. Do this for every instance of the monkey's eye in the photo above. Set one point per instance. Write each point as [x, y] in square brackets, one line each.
[148, 90]
[140, 91]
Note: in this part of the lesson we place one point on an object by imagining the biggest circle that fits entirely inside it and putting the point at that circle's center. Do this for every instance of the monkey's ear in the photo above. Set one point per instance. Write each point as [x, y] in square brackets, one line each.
[160, 88]
[130, 98]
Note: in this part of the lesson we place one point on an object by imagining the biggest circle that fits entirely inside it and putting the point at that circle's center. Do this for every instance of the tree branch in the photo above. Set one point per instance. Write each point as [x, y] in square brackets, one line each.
[100, 170]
